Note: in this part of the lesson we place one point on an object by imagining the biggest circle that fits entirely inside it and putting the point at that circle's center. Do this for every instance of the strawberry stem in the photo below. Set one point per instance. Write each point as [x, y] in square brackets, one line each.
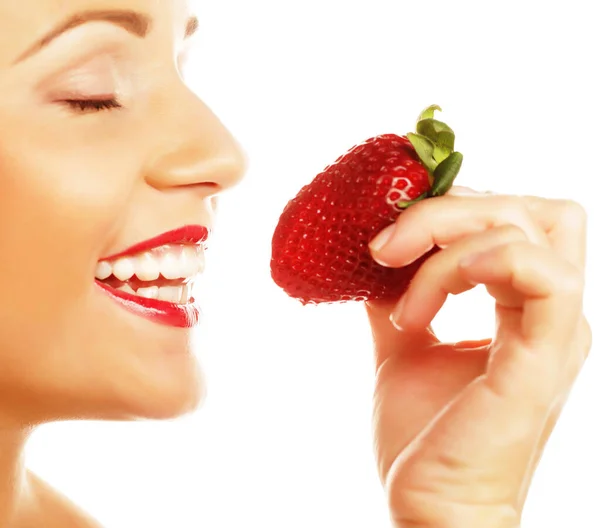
[404, 205]
[434, 144]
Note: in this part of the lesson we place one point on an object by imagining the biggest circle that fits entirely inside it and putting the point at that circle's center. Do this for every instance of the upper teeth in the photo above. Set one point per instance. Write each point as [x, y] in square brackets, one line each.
[172, 262]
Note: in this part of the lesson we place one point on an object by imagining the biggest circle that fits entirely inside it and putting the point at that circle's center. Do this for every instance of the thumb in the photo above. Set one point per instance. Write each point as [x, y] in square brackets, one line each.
[388, 340]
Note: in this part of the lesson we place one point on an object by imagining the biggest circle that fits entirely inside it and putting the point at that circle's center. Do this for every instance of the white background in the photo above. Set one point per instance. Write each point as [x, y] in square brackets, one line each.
[284, 436]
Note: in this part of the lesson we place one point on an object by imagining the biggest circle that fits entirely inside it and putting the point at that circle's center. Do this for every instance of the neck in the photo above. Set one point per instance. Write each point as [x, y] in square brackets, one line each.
[13, 476]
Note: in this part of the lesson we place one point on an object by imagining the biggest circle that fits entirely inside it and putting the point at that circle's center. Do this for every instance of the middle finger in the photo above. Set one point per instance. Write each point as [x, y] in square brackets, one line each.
[438, 276]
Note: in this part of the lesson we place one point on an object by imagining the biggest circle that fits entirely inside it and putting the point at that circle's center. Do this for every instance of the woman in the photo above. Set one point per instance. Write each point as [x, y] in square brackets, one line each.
[110, 167]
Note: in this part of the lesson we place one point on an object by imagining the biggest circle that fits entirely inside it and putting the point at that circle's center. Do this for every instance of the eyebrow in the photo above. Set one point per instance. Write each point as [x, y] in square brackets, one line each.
[136, 23]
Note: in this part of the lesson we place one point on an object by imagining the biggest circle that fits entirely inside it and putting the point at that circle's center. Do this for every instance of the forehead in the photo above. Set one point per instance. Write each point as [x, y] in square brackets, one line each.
[24, 21]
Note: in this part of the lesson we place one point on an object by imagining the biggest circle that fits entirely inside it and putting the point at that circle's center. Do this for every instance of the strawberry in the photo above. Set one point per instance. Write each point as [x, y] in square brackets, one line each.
[320, 248]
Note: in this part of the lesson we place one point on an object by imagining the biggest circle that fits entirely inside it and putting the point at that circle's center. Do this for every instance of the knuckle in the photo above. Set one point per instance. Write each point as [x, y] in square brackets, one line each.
[572, 213]
[511, 232]
[580, 350]
[586, 337]
[571, 282]
[510, 253]
[513, 209]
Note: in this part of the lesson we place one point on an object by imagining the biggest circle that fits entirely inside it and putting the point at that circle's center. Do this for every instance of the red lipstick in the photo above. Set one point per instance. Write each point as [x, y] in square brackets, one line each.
[170, 314]
[190, 234]
[163, 312]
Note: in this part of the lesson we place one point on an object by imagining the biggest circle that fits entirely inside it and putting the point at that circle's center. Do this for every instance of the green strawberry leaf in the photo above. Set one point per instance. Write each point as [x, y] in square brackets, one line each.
[425, 149]
[429, 112]
[437, 132]
[440, 153]
[446, 138]
[445, 174]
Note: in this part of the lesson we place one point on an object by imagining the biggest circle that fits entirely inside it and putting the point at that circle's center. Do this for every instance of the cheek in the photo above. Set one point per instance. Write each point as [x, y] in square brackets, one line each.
[66, 350]
[58, 211]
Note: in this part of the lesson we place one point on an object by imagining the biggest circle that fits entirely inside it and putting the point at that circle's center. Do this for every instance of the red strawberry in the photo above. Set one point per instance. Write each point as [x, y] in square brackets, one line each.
[320, 245]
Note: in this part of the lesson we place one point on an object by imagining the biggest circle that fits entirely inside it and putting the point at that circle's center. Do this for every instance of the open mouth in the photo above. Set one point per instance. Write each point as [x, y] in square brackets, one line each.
[165, 273]
[154, 278]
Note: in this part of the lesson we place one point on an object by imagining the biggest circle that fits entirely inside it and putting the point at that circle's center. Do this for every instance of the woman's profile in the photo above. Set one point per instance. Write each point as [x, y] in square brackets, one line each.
[110, 170]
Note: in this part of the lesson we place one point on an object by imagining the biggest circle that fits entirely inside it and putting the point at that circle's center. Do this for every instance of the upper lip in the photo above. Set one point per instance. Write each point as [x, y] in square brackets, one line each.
[188, 234]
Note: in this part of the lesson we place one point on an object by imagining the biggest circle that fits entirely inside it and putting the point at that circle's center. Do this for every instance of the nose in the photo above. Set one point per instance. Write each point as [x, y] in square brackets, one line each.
[192, 147]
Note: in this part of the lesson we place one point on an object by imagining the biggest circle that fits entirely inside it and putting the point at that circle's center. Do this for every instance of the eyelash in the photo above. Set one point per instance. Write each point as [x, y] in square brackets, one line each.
[92, 105]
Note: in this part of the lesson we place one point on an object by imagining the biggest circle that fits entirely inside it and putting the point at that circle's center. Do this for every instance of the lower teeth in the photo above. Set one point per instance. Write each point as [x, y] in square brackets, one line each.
[172, 294]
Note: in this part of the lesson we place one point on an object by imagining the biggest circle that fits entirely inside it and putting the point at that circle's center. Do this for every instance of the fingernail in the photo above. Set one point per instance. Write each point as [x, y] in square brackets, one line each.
[378, 243]
[397, 313]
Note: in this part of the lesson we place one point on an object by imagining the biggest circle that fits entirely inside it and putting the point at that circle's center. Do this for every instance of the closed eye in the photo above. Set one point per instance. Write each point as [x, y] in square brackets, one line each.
[92, 105]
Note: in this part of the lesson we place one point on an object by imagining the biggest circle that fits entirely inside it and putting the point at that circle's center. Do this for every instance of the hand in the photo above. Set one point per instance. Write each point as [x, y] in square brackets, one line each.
[460, 428]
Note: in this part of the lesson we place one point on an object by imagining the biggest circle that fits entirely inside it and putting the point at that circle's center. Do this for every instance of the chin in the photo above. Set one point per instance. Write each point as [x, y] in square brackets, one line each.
[171, 400]
[157, 384]
[142, 370]
[162, 391]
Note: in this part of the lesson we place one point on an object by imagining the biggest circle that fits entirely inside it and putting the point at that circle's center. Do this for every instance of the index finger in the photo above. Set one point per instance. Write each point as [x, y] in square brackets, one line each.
[443, 220]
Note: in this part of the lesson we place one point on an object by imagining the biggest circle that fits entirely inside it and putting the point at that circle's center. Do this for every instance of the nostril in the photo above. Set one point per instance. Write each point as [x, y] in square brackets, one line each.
[218, 174]
[204, 188]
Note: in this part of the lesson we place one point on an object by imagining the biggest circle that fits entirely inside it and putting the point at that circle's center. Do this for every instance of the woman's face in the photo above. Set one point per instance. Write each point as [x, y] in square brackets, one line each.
[102, 146]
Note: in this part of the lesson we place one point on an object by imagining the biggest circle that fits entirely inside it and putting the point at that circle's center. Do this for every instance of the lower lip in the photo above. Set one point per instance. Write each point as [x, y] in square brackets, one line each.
[166, 313]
